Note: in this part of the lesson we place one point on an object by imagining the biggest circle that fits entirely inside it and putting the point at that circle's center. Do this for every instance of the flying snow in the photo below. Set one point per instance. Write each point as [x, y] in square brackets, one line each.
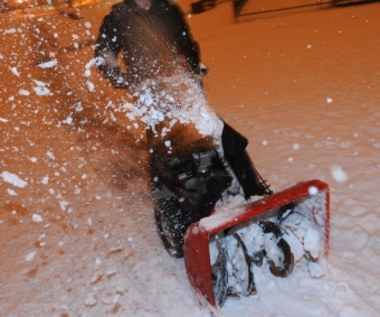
[338, 174]
[37, 218]
[175, 98]
[30, 256]
[23, 92]
[14, 71]
[41, 88]
[90, 85]
[11, 192]
[296, 146]
[48, 64]
[313, 190]
[13, 179]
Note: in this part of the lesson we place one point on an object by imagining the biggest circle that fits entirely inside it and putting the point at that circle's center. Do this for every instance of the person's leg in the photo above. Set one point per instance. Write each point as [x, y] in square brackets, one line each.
[234, 148]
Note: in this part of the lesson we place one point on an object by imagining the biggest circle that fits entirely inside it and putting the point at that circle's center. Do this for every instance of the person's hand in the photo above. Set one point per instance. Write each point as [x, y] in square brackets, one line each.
[117, 78]
[203, 69]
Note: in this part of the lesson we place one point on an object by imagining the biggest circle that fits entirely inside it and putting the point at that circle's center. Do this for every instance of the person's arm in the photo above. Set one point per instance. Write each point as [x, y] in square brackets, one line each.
[186, 44]
[108, 47]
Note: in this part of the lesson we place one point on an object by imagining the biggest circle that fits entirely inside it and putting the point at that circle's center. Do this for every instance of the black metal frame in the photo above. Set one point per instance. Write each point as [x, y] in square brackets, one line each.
[282, 6]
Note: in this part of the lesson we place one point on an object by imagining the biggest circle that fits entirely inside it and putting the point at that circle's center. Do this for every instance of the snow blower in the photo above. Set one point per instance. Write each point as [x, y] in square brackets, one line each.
[223, 246]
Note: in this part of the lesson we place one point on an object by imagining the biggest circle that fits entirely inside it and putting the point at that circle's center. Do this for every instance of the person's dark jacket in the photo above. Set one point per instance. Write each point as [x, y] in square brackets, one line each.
[151, 42]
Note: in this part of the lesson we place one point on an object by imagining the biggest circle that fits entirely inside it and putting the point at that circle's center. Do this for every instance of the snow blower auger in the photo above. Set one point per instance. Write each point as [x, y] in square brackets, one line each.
[275, 233]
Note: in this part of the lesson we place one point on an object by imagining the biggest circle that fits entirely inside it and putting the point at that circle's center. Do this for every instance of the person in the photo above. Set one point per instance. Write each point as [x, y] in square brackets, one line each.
[195, 158]
[153, 39]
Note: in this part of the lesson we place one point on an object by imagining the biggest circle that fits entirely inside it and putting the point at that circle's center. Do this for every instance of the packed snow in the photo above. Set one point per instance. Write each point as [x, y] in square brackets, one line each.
[77, 232]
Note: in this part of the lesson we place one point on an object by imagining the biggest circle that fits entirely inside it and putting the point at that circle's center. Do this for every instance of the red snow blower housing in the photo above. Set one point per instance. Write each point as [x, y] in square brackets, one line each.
[277, 232]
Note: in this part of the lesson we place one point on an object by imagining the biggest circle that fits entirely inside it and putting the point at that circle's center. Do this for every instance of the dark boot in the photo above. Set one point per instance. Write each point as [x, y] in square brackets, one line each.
[234, 146]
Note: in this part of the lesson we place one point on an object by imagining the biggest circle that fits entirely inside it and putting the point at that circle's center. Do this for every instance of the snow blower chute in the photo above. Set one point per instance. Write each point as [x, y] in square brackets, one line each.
[275, 232]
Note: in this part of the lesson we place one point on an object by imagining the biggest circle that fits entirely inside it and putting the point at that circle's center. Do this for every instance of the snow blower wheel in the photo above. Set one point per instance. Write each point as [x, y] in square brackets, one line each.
[172, 219]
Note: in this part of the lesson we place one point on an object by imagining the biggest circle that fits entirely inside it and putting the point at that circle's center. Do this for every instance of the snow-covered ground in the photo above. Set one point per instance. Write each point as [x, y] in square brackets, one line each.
[77, 235]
